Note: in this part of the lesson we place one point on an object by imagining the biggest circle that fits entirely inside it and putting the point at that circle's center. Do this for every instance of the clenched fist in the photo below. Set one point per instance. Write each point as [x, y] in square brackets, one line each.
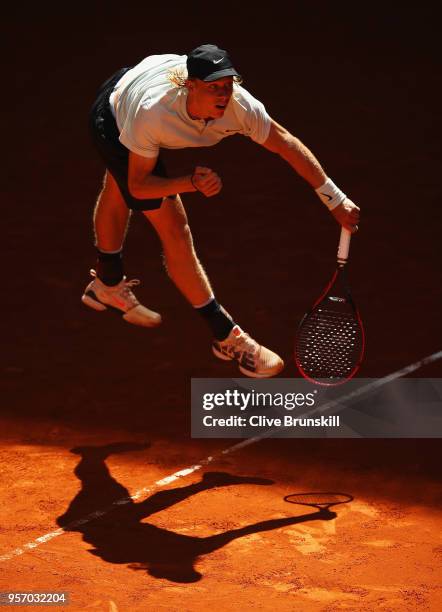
[207, 181]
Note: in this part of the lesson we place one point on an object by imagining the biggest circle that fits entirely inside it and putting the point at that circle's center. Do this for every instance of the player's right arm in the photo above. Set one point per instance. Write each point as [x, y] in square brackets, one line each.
[302, 160]
[142, 184]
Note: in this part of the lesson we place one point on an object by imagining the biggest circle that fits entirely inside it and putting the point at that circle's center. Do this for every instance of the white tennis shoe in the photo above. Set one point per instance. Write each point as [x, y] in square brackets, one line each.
[120, 297]
[254, 360]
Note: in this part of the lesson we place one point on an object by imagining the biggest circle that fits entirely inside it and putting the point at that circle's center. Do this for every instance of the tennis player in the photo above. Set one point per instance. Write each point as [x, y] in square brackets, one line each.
[172, 102]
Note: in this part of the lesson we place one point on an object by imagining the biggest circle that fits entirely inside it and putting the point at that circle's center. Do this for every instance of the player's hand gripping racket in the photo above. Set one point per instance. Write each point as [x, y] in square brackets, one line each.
[330, 341]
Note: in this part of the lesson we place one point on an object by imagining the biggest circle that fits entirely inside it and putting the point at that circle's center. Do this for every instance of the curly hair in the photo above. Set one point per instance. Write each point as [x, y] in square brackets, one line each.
[178, 77]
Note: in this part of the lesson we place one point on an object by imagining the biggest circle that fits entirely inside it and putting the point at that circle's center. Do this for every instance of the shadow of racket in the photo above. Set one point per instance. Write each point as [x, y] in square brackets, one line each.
[323, 501]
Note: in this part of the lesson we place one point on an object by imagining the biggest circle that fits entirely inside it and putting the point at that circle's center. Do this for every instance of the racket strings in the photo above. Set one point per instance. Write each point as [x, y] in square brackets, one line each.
[329, 344]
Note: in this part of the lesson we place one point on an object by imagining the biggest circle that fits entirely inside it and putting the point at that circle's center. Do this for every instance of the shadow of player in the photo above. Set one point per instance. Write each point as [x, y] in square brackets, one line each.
[119, 536]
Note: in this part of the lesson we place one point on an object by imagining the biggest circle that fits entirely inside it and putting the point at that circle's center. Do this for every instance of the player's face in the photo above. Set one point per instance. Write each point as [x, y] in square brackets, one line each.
[210, 100]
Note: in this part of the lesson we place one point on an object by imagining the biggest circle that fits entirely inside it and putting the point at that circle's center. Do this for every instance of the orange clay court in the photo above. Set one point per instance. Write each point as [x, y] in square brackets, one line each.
[221, 536]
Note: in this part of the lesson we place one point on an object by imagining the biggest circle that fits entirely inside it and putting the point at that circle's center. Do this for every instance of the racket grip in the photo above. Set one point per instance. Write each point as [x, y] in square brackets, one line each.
[344, 246]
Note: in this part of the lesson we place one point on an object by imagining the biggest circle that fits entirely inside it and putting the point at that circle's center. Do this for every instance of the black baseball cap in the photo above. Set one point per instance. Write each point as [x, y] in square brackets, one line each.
[209, 63]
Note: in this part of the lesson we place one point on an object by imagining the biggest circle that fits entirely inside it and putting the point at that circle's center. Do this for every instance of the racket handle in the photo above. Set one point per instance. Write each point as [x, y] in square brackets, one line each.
[344, 246]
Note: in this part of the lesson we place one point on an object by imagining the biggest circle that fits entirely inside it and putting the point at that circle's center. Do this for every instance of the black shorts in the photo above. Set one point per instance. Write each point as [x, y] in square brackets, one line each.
[104, 131]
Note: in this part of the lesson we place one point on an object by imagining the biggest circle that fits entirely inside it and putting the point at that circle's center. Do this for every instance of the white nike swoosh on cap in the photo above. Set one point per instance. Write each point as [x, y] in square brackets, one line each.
[218, 61]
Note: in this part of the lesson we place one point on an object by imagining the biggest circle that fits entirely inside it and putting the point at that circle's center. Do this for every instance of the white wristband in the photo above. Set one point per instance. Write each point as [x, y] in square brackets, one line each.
[330, 195]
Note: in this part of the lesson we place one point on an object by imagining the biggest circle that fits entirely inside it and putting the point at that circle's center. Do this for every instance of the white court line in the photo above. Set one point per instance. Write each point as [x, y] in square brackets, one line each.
[194, 468]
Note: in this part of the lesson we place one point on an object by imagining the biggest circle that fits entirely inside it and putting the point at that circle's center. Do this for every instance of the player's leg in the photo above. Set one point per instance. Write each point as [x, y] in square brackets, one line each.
[110, 220]
[109, 289]
[180, 258]
[111, 217]
[185, 270]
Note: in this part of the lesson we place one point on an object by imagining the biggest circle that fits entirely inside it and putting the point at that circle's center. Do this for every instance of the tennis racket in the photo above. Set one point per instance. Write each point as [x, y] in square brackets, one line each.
[330, 340]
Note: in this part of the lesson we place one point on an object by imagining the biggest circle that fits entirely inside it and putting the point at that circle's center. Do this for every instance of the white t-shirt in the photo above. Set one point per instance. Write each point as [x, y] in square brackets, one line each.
[151, 112]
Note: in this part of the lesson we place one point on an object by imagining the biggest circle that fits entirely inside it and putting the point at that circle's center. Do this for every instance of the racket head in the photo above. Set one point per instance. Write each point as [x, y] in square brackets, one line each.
[330, 340]
[319, 499]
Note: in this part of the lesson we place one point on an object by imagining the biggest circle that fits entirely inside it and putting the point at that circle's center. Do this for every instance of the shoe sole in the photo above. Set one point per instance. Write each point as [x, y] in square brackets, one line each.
[249, 373]
[90, 299]
[256, 375]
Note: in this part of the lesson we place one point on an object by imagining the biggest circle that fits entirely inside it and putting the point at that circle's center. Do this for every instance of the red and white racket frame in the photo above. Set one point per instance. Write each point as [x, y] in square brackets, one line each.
[342, 258]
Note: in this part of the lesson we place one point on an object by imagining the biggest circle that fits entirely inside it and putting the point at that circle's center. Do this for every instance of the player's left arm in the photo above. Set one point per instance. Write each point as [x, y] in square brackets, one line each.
[302, 160]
